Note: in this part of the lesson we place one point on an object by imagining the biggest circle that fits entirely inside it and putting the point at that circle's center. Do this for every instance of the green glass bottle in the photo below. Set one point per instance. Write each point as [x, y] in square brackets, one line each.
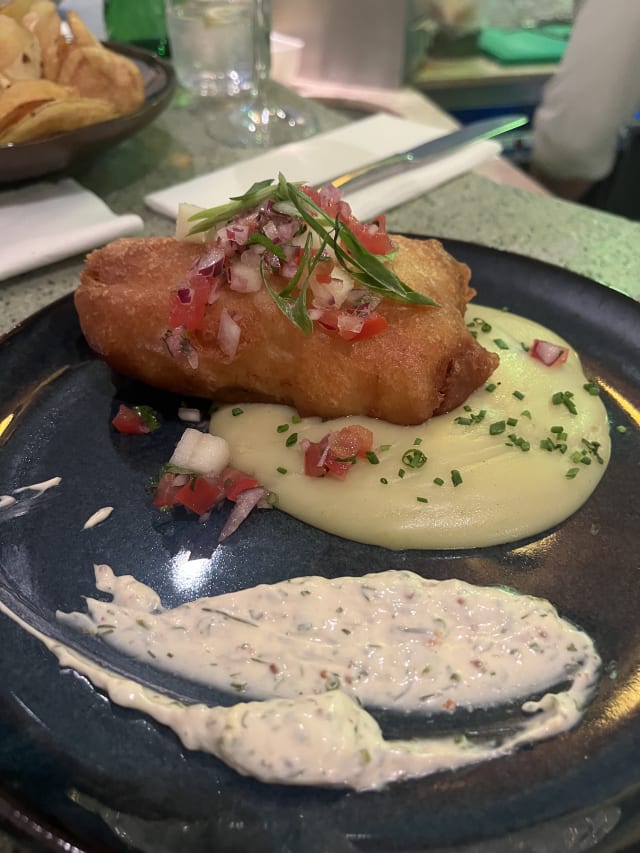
[139, 22]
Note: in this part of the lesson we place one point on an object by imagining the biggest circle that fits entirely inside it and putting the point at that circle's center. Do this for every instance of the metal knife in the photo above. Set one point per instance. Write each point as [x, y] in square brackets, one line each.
[380, 169]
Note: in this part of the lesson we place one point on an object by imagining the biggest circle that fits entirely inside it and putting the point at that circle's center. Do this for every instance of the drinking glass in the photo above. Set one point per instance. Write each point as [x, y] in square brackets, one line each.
[221, 50]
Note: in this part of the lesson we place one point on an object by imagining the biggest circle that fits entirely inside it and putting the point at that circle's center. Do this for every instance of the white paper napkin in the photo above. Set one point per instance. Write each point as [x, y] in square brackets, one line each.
[45, 222]
[327, 155]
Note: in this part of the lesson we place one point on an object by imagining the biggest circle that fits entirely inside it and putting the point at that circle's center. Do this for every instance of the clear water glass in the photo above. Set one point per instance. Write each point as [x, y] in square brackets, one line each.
[221, 50]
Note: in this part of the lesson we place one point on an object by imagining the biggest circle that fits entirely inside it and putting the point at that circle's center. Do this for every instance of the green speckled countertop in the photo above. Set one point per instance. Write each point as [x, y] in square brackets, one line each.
[177, 147]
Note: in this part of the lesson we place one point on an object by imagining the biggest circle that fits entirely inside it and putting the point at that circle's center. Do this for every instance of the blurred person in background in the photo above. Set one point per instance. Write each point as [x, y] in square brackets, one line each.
[585, 145]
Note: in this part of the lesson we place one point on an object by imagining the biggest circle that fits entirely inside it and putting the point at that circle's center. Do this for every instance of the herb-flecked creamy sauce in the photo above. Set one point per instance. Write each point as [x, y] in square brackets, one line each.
[508, 486]
[313, 649]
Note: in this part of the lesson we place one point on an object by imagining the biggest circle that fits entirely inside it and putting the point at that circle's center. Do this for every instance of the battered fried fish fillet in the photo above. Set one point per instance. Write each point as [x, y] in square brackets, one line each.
[424, 364]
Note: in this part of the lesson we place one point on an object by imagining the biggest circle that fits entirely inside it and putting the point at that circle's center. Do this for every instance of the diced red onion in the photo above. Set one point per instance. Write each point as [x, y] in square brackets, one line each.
[245, 503]
[190, 416]
[211, 262]
[349, 323]
[548, 353]
[245, 278]
[184, 295]
[173, 341]
[228, 334]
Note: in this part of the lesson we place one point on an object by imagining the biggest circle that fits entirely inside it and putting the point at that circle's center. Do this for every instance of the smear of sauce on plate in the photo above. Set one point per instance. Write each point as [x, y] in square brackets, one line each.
[313, 649]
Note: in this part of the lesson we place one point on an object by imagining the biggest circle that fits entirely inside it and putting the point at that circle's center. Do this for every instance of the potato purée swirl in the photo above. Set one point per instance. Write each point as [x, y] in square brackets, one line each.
[515, 460]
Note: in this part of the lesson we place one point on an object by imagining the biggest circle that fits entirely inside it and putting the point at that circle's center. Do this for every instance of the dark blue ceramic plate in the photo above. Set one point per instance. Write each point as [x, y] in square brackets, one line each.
[110, 779]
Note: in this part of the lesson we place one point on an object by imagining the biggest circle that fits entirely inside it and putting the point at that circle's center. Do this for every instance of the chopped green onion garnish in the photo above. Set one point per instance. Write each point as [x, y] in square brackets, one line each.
[512, 421]
[591, 388]
[282, 427]
[621, 428]
[497, 428]
[456, 477]
[401, 472]
[281, 470]
[384, 481]
[518, 395]
[500, 343]
[366, 268]
[564, 398]
[414, 458]
[422, 500]
[572, 473]
[237, 411]
[490, 387]
[438, 481]
[291, 439]
[371, 456]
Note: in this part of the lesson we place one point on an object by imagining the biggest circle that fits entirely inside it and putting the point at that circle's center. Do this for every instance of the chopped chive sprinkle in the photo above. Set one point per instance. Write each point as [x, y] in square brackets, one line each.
[621, 428]
[417, 441]
[438, 481]
[414, 458]
[497, 428]
[281, 470]
[557, 429]
[525, 413]
[591, 388]
[291, 439]
[422, 500]
[282, 427]
[371, 456]
[296, 419]
[500, 343]
[518, 395]
[571, 473]
[522, 443]
[564, 398]
[384, 447]
[237, 411]
[456, 477]
[401, 472]
[512, 421]
[490, 387]
[384, 481]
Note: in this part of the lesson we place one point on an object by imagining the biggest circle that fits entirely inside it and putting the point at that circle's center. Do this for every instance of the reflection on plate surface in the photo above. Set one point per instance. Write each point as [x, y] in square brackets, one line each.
[55, 153]
[59, 735]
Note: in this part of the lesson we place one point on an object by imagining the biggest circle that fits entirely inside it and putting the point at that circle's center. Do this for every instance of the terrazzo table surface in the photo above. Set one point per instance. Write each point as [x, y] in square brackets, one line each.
[473, 208]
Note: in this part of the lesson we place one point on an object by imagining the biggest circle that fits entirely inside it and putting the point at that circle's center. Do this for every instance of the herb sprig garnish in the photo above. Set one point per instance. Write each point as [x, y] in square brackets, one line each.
[363, 266]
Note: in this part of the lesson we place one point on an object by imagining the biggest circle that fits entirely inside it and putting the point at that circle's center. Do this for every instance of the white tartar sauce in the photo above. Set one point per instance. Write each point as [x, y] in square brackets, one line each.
[315, 650]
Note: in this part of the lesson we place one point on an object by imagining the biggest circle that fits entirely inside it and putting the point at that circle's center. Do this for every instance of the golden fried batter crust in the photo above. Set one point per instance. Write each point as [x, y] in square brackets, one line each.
[426, 363]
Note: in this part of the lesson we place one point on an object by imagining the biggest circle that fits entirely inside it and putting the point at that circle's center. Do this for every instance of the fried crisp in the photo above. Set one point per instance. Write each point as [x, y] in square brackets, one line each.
[425, 363]
[23, 96]
[58, 117]
[19, 51]
[76, 81]
[99, 73]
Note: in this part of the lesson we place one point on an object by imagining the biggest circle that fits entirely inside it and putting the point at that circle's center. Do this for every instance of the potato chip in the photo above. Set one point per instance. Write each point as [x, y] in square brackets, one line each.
[16, 9]
[100, 73]
[19, 51]
[50, 83]
[44, 22]
[82, 35]
[24, 96]
[58, 117]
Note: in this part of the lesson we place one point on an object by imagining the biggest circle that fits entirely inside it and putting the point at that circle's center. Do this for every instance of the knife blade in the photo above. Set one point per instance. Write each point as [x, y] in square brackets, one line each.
[379, 170]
